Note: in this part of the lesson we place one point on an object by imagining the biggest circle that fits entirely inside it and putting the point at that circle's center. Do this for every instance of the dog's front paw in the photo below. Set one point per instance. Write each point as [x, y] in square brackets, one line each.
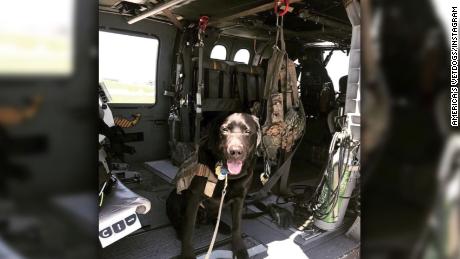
[187, 256]
[240, 254]
[187, 253]
[239, 250]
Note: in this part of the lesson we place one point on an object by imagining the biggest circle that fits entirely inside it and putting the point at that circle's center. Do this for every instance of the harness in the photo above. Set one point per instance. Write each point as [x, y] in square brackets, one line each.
[191, 168]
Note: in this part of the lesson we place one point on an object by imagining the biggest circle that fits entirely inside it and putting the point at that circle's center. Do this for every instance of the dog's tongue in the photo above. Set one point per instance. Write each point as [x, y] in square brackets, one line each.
[234, 167]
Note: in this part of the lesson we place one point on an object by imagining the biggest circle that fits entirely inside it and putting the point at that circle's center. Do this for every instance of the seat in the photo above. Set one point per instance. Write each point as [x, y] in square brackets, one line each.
[250, 84]
[219, 92]
[122, 198]
[117, 200]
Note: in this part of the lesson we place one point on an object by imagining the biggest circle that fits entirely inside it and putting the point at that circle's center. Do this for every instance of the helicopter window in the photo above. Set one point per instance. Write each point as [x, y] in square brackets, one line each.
[127, 67]
[337, 66]
[242, 56]
[219, 52]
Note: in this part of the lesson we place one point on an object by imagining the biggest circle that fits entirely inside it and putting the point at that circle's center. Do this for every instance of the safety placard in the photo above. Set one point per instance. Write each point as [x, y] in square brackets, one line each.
[119, 226]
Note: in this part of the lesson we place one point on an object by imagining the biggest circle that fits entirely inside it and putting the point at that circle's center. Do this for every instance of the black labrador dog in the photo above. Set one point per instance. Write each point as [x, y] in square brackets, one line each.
[231, 143]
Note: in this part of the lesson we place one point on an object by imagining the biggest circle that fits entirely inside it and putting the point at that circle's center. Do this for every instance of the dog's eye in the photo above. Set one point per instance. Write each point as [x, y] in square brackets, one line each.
[247, 131]
[225, 130]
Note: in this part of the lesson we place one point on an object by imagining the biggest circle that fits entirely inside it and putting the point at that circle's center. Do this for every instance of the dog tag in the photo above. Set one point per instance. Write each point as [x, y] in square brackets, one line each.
[264, 178]
[221, 171]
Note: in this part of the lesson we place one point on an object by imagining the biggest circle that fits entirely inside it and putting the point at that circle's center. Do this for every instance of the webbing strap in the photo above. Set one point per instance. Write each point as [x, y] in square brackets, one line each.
[257, 87]
[291, 84]
[206, 83]
[275, 63]
[200, 78]
[245, 90]
[282, 169]
[199, 95]
[233, 90]
[293, 80]
[280, 33]
[221, 84]
[271, 81]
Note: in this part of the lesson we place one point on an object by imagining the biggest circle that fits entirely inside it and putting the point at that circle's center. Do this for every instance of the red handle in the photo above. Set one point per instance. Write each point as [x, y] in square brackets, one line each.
[203, 22]
[286, 8]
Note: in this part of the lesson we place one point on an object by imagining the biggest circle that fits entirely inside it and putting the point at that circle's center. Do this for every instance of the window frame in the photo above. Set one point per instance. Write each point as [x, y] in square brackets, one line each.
[226, 51]
[135, 34]
[236, 52]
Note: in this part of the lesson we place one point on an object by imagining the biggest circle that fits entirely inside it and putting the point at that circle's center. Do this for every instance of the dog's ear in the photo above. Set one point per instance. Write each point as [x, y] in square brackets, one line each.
[259, 130]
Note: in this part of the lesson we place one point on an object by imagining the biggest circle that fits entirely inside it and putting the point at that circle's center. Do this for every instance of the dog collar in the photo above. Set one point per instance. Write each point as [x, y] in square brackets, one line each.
[221, 171]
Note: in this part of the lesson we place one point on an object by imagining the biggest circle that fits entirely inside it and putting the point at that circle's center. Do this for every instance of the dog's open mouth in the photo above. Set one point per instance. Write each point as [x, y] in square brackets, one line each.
[234, 166]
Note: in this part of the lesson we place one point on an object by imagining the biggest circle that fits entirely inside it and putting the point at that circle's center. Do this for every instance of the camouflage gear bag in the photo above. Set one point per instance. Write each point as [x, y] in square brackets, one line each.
[285, 118]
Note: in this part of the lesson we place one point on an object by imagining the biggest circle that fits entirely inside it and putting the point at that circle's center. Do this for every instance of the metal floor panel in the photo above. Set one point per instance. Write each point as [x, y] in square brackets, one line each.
[333, 248]
[163, 168]
[256, 250]
[7, 252]
[162, 242]
[156, 217]
[76, 207]
[159, 243]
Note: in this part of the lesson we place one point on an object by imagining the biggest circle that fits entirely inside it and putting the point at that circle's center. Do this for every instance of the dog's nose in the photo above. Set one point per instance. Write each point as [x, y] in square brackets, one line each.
[235, 151]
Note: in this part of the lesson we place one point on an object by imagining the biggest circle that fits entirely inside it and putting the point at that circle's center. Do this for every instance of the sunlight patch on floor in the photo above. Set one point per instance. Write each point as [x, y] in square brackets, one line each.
[286, 248]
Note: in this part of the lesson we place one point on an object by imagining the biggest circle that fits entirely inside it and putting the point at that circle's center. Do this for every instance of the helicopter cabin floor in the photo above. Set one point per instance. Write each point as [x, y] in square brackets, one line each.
[157, 239]
[263, 237]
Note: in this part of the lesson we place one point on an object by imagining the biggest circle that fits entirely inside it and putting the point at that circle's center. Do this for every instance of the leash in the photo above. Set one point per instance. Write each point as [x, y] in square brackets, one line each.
[224, 191]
